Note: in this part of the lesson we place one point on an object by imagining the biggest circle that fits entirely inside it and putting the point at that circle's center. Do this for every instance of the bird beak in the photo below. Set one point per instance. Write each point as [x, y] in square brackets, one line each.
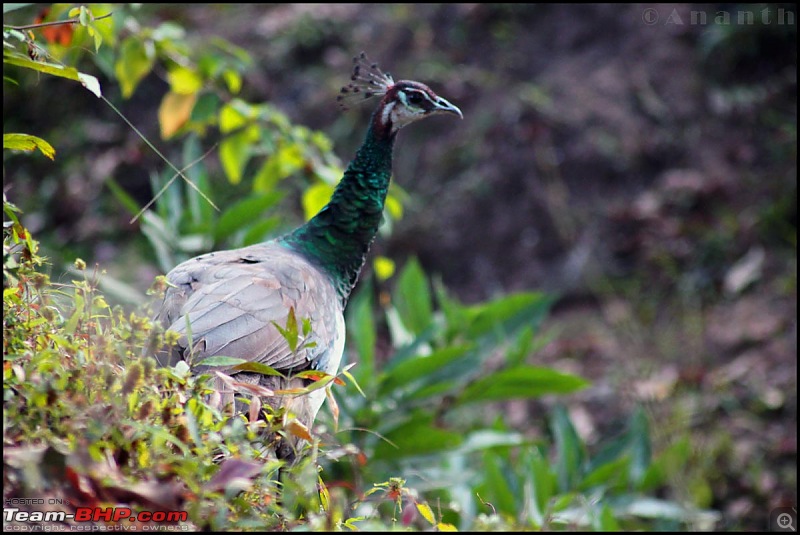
[443, 106]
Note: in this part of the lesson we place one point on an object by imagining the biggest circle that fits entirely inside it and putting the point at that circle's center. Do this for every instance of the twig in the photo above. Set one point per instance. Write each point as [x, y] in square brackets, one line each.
[54, 23]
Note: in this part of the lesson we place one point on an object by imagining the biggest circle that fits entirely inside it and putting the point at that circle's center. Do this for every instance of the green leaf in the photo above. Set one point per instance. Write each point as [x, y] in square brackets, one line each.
[496, 488]
[28, 143]
[641, 450]
[220, 361]
[135, 61]
[89, 82]
[234, 115]
[605, 521]
[570, 450]
[412, 298]
[419, 436]
[361, 330]
[543, 485]
[257, 367]
[260, 230]
[608, 475]
[290, 332]
[521, 382]
[289, 159]
[244, 213]
[235, 151]
[505, 314]
[419, 369]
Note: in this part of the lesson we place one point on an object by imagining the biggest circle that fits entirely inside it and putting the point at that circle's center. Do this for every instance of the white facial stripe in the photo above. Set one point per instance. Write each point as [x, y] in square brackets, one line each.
[387, 112]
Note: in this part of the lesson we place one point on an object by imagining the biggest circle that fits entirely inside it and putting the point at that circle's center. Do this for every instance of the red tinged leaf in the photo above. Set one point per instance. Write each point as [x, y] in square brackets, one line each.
[60, 34]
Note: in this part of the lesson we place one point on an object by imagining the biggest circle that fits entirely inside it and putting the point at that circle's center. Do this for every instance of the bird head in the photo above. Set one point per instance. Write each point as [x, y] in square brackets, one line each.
[402, 102]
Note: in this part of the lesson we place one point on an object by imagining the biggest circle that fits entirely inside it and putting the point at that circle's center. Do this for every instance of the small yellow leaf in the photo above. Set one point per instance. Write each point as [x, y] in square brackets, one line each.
[384, 267]
[184, 81]
[394, 207]
[442, 526]
[324, 495]
[233, 81]
[27, 142]
[299, 430]
[315, 197]
[174, 112]
[426, 512]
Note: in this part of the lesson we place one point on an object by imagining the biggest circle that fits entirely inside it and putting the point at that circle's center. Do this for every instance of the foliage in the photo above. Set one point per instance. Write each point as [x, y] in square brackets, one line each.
[92, 422]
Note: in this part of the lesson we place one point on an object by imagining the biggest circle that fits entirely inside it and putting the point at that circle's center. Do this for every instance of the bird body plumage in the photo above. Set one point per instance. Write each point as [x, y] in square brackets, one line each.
[232, 303]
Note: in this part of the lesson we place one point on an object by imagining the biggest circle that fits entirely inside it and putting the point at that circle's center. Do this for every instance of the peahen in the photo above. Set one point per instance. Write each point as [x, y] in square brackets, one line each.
[231, 303]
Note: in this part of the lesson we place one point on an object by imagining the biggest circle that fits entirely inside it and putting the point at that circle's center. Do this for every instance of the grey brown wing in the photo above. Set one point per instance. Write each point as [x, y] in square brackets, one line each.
[229, 304]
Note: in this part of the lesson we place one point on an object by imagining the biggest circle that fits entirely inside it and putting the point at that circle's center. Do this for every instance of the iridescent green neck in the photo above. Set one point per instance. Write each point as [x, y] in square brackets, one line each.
[338, 238]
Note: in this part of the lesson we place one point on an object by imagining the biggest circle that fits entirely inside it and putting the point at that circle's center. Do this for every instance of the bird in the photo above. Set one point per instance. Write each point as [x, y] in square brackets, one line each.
[242, 302]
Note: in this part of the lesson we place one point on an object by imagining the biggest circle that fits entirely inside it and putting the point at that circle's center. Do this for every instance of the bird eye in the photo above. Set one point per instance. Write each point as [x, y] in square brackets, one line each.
[415, 98]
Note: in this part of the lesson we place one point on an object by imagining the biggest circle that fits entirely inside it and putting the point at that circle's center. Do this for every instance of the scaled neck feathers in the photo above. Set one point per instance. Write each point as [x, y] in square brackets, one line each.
[338, 238]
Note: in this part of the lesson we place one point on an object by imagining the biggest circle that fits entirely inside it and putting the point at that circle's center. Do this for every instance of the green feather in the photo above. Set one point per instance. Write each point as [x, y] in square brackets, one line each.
[338, 238]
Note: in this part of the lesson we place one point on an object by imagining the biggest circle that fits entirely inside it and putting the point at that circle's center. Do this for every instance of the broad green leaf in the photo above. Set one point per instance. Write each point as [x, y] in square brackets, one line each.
[260, 230]
[257, 367]
[608, 475]
[135, 61]
[605, 521]
[243, 213]
[543, 484]
[420, 368]
[505, 314]
[89, 82]
[361, 331]
[570, 450]
[521, 382]
[496, 486]
[287, 160]
[206, 109]
[412, 297]
[419, 436]
[28, 143]
[219, 361]
[200, 211]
